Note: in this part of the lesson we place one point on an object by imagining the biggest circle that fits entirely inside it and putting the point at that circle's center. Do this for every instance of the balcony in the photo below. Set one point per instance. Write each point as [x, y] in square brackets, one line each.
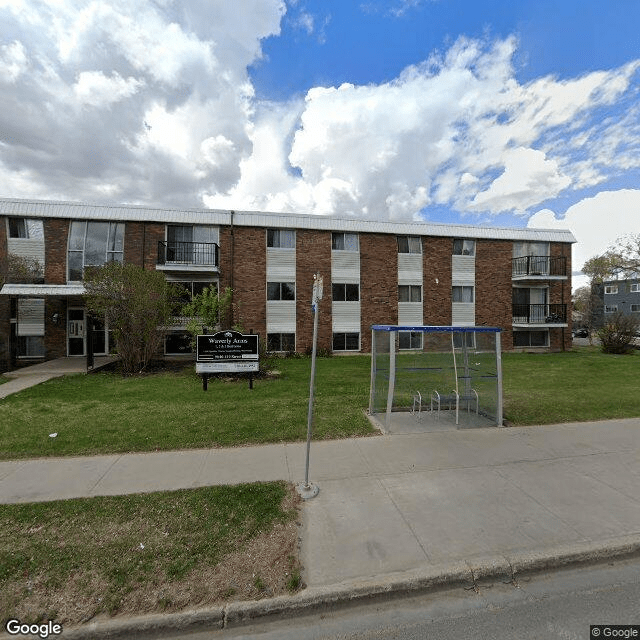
[539, 268]
[554, 315]
[191, 256]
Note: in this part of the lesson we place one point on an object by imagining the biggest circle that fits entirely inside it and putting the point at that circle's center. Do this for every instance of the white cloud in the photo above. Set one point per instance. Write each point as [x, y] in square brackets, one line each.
[13, 61]
[596, 223]
[95, 89]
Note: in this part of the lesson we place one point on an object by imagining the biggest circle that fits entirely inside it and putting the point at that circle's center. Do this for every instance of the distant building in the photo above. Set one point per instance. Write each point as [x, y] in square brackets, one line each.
[374, 273]
[620, 295]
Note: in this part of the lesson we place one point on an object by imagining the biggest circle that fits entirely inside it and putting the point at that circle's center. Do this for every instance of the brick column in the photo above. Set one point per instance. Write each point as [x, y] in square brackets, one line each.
[436, 277]
[378, 283]
[494, 288]
[56, 233]
[313, 255]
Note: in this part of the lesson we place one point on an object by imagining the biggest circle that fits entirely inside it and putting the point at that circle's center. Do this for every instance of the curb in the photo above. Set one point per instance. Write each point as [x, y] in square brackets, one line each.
[472, 574]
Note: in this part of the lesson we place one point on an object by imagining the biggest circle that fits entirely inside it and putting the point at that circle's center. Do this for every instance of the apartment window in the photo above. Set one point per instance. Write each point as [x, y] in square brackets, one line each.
[610, 308]
[281, 238]
[464, 339]
[344, 242]
[634, 288]
[635, 308]
[530, 338]
[410, 339]
[345, 292]
[462, 294]
[346, 341]
[281, 342]
[30, 346]
[464, 247]
[281, 290]
[193, 289]
[26, 228]
[409, 293]
[92, 244]
[611, 288]
[409, 244]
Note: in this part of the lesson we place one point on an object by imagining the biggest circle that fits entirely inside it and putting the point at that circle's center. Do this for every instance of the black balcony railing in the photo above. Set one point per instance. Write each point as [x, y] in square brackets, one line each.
[539, 313]
[191, 253]
[539, 266]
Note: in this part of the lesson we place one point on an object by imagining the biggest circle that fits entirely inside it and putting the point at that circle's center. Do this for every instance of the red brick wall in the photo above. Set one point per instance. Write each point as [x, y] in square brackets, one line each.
[378, 283]
[56, 232]
[436, 275]
[152, 233]
[494, 295]
[313, 255]
[55, 333]
[249, 278]
[134, 245]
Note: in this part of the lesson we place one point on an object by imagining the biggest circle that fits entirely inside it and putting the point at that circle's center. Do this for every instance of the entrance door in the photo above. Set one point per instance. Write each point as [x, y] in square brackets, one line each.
[76, 332]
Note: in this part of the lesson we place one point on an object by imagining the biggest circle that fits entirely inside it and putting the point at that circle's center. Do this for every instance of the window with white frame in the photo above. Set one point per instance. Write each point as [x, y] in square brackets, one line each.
[347, 341]
[26, 228]
[462, 294]
[343, 292]
[464, 247]
[409, 244]
[409, 293]
[281, 238]
[93, 244]
[409, 340]
[634, 287]
[610, 308]
[344, 242]
[611, 288]
[281, 290]
[281, 342]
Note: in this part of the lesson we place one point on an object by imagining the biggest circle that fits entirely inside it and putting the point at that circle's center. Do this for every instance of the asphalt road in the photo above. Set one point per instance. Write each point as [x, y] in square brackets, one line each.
[561, 605]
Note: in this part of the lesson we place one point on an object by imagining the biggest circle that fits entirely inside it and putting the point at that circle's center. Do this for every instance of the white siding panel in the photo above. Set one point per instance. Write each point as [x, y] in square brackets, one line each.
[463, 314]
[25, 248]
[281, 265]
[281, 316]
[463, 267]
[410, 313]
[346, 316]
[345, 266]
[30, 317]
[409, 268]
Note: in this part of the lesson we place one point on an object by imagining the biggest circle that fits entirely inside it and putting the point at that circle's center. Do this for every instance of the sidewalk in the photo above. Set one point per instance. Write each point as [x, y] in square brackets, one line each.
[20, 379]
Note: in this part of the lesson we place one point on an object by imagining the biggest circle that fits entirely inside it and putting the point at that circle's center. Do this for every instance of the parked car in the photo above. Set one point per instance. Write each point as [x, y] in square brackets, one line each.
[581, 333]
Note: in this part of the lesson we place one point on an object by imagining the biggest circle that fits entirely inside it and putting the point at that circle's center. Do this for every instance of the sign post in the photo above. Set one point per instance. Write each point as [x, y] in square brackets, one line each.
[226, 352]
[306, 489]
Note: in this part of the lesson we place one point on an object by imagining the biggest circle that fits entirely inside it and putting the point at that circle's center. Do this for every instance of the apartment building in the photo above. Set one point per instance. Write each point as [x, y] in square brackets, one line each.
[374, 273]
[620, 295]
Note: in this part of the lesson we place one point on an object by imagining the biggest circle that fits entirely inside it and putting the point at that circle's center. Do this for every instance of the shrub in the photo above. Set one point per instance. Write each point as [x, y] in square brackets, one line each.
[618, 333]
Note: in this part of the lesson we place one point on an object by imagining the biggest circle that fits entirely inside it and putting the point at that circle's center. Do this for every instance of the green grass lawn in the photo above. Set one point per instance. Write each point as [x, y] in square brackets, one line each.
[71, 560]
[106, 413]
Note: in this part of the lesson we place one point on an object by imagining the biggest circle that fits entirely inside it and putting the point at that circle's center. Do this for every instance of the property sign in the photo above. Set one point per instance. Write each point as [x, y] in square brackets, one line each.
[227, 352]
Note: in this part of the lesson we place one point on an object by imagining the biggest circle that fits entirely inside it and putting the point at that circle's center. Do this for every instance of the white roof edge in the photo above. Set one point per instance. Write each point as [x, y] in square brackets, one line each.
[79, 210]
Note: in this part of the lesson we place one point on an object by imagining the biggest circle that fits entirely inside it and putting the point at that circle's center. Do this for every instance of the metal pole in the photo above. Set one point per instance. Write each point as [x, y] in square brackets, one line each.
[308, 490]
[499, 373]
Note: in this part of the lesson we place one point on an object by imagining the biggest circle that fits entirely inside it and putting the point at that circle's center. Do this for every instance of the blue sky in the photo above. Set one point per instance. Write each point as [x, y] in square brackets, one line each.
[519, 113]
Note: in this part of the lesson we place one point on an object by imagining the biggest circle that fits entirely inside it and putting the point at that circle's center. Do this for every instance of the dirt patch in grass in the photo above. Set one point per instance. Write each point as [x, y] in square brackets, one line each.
[95, 565]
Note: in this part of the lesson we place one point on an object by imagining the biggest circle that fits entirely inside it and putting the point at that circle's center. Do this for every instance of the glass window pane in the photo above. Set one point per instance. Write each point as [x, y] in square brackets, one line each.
[416, 293]
[95, 250]
[337, 241]
[352, 293]
[288, 291]
[273, 291]
[415, 246]
[17, 228]
[116, 237]
[288, 341]
[35, 230]
[337, 291]
[338, 341]
[287, 239]
[272, 237]
[76, 235]
[273, 342]
[352, 341]
[75, 266]
[538, 338]
[403, 293]
[404, 340]
[351, 242]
